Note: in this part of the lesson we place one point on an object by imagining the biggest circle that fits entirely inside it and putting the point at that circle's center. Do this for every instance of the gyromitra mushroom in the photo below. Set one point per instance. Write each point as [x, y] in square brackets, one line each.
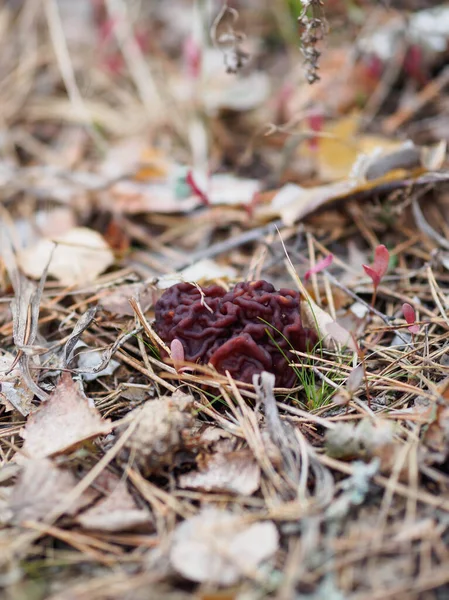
[245, 331]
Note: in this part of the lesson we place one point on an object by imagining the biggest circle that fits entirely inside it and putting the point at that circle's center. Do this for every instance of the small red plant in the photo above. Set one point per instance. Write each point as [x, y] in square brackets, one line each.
[320, 266]
[192, 183]
[378, 269]
[316, 123]
[410, 316]
[192, 57]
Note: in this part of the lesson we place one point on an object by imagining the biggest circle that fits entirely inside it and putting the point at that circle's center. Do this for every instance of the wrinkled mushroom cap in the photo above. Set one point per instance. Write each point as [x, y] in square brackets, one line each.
[245, 331]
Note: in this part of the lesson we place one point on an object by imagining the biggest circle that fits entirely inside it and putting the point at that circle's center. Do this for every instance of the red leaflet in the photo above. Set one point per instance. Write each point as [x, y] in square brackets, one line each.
[379, 266]
[192, 57]
[320, 266]
[315, 122]
[410, 316]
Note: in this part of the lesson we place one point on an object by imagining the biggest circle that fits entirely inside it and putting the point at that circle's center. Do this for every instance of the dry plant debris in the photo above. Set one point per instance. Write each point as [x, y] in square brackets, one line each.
[62, 423]
[176, 444]
[216, 547]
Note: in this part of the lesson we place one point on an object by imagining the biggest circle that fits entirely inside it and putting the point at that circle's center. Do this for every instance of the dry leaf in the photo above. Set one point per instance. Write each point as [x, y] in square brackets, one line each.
[134, 197]
[338, 150]
[158, 435]
[216, 546]
[40, 488]
[62, 423]
[79, 256]
[293, 203]
[14, 392]
[116, 512]
[89, 360]
[117, 299]
[225, 188]
[200, 272]
[327, 329]
[294, 207]
[234, 472]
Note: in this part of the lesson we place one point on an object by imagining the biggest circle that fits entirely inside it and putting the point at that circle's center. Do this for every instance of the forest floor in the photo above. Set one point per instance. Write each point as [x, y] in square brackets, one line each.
[144, 144]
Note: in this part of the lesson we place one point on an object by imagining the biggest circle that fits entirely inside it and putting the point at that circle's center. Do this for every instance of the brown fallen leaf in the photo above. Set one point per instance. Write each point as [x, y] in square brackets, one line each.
[217, 546]
[116, 512]
[117, 300]
[77, 256]
[160, 432]
[328, 329]
[39, 489]
[62, 423]
[234, 472]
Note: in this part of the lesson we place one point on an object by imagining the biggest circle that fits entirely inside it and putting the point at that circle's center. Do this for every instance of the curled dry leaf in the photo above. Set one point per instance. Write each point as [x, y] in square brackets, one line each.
[90, 360]
[355, 379]
[234, 472]
[116, 512]
[62, 423]
[14, 392]
[327, 329]
[79, 256]
[39, 489]
[216, 546]
[159, 435]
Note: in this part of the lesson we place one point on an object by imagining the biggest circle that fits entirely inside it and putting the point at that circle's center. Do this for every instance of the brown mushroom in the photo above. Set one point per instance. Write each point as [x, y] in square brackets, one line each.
[245, 331]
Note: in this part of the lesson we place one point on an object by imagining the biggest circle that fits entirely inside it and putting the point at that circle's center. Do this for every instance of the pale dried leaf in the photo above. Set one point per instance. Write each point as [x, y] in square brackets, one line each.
[134, 197]
[116, 512]
[14, 392]
[216, 546]
[340, 335]
[89, 363]
[355, 379]
[328, 330]
[227, 189]
[117, 300]
[309, 200]
[80, 255]
[40, 488]
[62, 423]
[200, 272]
[234, 472]
[433, 157]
